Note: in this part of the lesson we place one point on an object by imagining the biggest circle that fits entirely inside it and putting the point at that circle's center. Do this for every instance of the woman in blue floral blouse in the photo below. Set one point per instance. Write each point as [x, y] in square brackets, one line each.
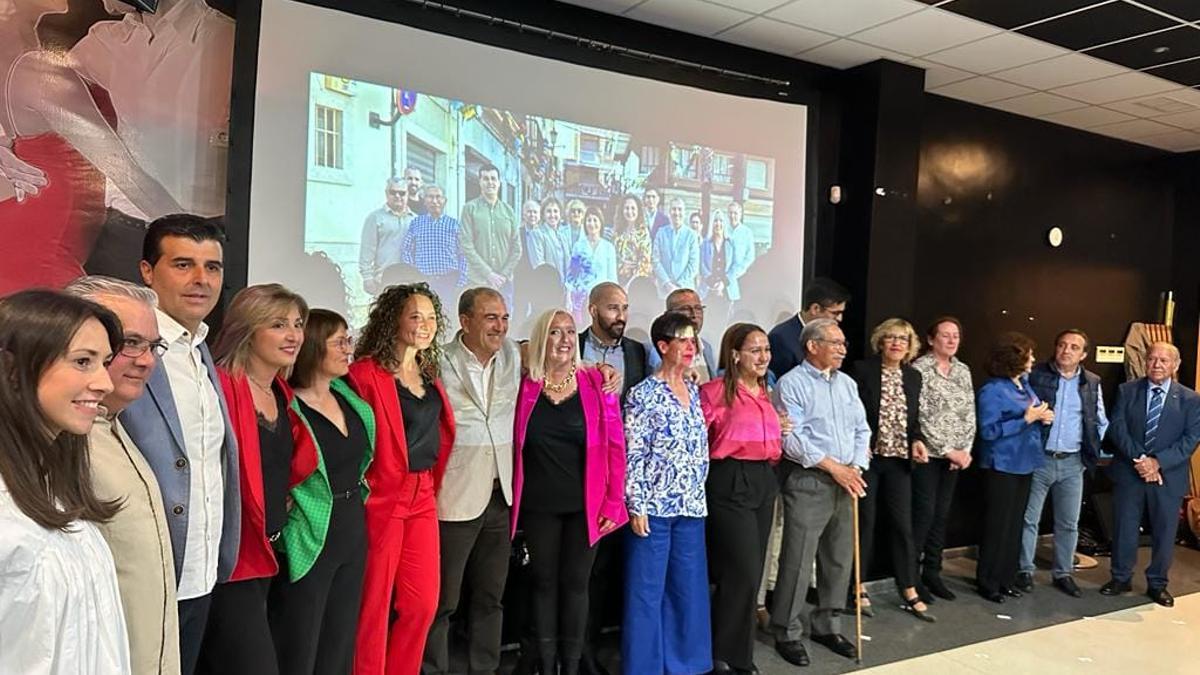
[666, 628]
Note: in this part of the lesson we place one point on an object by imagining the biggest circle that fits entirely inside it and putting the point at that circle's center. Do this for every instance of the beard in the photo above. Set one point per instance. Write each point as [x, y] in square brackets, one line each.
[615, 329]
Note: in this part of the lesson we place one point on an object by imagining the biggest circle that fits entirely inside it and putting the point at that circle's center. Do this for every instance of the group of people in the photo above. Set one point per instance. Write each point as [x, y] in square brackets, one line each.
[570, 246]
[297, 501]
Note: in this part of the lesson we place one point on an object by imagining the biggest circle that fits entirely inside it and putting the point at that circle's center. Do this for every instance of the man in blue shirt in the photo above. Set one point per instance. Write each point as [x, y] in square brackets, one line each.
[824, 457]
[1071, 443]
[431, 245]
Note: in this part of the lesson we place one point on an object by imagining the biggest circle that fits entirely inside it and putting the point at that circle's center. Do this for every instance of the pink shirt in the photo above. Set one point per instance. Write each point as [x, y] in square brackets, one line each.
[747, 430]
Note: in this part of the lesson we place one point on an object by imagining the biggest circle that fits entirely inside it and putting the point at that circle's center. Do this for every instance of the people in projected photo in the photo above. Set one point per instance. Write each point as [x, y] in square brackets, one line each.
[696, 223]
[655, 218]
[489, 236]
[416, 190]
[741, 240]
[676, 253]
[382, 234]
[432, 246]
[715, 261]
[593, 260]
[631, 240]
[574, 230]
[552, 243]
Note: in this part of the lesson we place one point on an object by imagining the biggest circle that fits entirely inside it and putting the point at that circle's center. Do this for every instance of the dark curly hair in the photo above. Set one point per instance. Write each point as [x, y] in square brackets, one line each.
[1010, 354]
[378, 340]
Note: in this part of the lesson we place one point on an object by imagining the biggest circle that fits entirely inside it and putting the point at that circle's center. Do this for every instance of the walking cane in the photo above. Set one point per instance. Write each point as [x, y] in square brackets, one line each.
[857, 588]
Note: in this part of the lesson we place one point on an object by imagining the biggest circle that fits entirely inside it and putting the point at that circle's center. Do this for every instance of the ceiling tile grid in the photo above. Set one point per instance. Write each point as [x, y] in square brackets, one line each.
[1129, 69]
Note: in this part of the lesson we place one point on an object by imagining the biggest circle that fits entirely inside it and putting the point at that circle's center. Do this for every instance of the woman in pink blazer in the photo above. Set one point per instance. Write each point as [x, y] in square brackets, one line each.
[575, 465]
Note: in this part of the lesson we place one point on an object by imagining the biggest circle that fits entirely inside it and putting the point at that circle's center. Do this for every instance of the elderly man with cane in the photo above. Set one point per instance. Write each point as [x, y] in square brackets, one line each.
[825, 455]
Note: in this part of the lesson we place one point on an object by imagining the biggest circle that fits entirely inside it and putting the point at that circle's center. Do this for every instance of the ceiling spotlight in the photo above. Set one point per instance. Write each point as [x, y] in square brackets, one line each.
[1161, 50]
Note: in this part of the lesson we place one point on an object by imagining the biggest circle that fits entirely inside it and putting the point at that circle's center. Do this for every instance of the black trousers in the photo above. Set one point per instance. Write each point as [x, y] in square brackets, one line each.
[1005, 496]
[741, 503]
[314, 619]
[238, 638]
[889, 488]
[193, 617]
[475, 551]
[606, 590]
[933, 493]
[560, 563]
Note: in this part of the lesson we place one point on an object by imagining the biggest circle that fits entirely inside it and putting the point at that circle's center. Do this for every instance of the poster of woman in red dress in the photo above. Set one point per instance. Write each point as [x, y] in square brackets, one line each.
[110, 116]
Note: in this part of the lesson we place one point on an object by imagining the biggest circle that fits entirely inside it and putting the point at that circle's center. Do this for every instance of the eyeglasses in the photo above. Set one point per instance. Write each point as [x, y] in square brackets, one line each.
[397, 193]
[903, 339]
[690, 309]
[345, 344]
[133, 347]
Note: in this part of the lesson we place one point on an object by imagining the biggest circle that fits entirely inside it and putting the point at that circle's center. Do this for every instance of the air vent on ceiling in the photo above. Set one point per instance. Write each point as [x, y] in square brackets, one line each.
[1165, 105]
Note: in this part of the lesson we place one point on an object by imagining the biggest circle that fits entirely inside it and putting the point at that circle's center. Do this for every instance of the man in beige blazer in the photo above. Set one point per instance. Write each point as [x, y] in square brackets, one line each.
[137, 535]
[481, 371]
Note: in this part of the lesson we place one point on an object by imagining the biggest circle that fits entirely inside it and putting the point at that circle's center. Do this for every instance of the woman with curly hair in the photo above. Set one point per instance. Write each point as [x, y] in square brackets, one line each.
[1010, 450]
[396, 371]
[631, 238]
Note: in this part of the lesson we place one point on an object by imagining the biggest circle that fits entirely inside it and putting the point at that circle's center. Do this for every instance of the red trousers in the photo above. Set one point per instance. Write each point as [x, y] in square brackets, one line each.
[402, 579]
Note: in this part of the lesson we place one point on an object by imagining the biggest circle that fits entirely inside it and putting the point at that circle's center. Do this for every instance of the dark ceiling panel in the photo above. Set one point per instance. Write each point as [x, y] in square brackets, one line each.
[1099, 25]
[1013, 13]
[1138, 53]
[1185, 72]
[1188, 10]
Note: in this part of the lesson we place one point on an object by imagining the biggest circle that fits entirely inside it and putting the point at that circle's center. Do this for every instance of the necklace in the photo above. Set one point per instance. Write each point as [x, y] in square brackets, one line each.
[266, 389]
[557, 388]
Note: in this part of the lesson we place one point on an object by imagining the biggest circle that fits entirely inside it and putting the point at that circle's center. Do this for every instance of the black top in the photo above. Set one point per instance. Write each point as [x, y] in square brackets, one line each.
[421, 425]
[275, 451]
[555, 447]
[717, 273]
[343, 454]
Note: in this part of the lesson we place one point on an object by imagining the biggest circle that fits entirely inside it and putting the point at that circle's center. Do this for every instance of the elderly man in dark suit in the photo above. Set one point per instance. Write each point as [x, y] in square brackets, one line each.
[1155, 429]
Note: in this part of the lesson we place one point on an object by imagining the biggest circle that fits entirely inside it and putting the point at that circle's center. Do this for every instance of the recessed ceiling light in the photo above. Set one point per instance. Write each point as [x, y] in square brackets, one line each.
[1161, 50]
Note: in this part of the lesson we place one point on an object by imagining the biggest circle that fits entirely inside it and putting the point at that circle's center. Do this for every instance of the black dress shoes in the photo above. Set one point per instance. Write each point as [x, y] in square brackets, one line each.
[936, 586]
[793, 652]
[1067, 585]
[992, 596]
[1024, 582]
[1010, 592]
[837, 644]
[1115, 587]
[1162, 596]
[721, 668]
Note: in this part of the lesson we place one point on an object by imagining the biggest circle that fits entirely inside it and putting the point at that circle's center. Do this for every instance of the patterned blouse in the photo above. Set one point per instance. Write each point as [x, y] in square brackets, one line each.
[892, 440]
[666, 450]
[633, 255]
[947, 406]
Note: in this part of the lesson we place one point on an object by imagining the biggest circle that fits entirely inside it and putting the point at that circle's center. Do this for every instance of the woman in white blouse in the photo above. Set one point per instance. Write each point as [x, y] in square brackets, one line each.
[60, 609]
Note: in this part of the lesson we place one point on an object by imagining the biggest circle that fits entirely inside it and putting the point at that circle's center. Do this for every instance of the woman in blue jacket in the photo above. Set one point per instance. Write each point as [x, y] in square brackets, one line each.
[1010, 448]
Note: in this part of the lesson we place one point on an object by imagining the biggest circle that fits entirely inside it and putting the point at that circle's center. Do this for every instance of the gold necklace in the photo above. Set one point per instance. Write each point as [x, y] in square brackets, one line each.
[559, 387]
[265, 389]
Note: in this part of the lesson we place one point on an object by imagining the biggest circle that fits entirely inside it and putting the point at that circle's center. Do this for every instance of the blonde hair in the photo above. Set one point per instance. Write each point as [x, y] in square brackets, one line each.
[251, 309]
[537, 343]
[889, 325]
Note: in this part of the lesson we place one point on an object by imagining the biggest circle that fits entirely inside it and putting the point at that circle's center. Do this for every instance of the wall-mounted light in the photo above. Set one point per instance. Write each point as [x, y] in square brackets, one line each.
[1054, 236]
[835, 194]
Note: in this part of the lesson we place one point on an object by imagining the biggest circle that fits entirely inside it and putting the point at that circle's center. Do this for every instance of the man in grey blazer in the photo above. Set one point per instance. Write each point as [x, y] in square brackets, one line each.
[1155, 428]
[182, 425]
[481, 371]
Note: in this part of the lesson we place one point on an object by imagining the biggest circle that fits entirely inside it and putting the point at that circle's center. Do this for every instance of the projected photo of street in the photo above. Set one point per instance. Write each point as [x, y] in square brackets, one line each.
[405, 186]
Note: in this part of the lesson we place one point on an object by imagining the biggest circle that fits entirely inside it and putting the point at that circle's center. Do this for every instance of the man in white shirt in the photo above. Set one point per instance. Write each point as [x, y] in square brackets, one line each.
[182, 427]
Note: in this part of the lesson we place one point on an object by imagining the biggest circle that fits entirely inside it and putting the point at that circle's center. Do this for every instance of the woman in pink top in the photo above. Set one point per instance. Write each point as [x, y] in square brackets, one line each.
[575, 465]
[745, 441]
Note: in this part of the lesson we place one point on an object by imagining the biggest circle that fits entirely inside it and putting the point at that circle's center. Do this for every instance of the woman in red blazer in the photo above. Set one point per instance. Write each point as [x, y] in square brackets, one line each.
[576, 491]
[396, 372]
[262, 334]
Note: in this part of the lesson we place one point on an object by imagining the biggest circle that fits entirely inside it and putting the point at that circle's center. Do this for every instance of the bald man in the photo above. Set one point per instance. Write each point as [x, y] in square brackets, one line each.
[1155, 429]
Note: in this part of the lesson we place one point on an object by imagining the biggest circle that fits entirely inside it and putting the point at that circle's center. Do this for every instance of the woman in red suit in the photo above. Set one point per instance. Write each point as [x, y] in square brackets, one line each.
[58, 147]
[396, 371]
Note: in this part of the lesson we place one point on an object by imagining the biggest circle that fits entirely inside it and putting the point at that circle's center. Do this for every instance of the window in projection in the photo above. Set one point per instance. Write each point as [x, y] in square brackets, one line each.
[408, 185]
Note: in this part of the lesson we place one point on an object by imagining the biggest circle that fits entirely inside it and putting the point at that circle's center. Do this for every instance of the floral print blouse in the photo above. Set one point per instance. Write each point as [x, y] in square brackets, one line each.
[666, 450]
[947, 406]
[633, 255]
[892, 439]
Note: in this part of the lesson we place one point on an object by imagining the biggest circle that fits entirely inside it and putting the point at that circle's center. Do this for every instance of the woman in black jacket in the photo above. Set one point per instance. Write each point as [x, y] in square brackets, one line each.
[890, 390]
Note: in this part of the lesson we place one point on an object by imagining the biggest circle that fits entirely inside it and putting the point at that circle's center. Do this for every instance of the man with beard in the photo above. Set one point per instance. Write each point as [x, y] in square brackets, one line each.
[416, 190]
[604, 340]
